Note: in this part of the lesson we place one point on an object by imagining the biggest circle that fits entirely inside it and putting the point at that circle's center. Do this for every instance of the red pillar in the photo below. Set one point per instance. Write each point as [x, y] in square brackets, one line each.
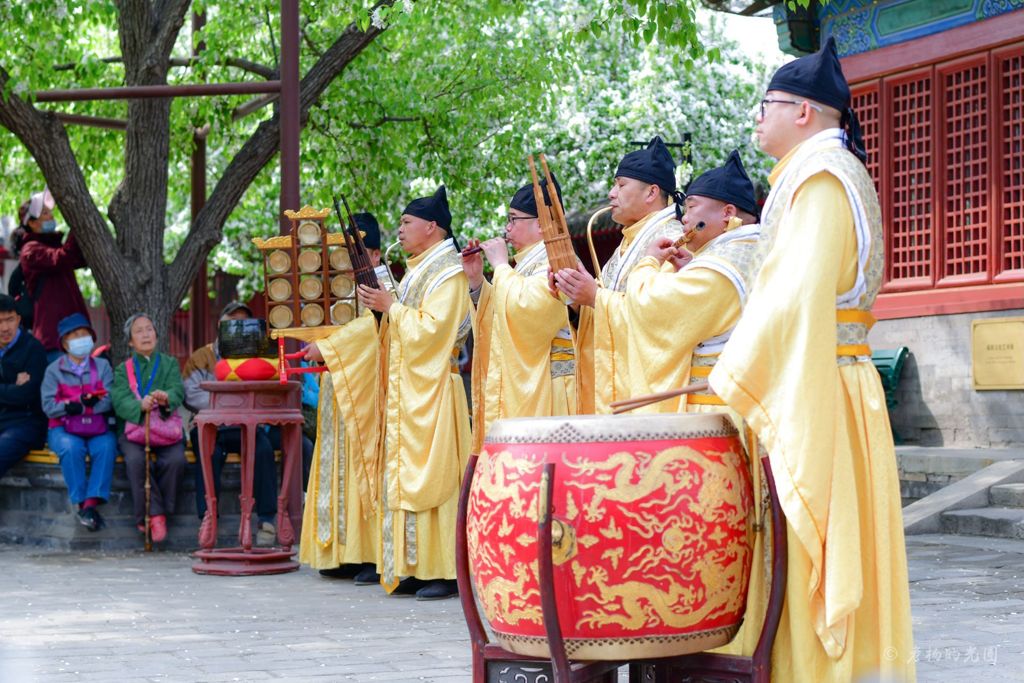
[289, 109]
[200, 301]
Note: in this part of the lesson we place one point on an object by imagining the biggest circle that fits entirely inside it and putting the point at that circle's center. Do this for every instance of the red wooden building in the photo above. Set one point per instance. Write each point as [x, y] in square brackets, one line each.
[939, 90]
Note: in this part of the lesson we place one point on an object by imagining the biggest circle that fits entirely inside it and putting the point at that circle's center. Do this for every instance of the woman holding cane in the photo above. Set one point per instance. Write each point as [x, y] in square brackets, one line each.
[146, 393]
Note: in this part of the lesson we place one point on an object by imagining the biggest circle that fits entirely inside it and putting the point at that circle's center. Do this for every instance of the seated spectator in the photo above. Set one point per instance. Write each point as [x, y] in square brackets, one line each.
[198, 369]
[76, 398]
[147, 388]
[47, 263]
[22, 366]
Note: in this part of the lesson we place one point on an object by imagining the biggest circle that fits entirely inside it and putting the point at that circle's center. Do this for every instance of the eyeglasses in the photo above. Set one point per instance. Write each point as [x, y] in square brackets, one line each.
[513, 219]
[769, 100]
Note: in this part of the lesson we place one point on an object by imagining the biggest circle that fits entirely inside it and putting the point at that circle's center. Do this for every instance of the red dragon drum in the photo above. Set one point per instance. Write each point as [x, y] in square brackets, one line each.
[652, 533]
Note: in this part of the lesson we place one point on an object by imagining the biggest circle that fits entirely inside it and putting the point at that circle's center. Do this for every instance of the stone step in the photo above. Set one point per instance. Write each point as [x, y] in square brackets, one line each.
[1007, 496]
[35, 511]
[64, 532]
[924, 470]
[1000, 522]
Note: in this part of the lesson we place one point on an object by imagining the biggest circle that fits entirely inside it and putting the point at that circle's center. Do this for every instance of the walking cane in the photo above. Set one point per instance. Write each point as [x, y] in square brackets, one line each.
[148, 534]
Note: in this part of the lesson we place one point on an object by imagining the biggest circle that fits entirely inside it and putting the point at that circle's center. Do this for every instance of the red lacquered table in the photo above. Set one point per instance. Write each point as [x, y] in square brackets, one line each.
[248, 405]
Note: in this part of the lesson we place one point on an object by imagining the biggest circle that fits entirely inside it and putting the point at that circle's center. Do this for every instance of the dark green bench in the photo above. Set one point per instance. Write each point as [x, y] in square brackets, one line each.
[889, 363]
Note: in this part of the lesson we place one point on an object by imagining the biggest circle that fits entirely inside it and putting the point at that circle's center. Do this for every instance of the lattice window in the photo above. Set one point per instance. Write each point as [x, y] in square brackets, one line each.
[1012, 160]
[911, 189]
[865, 104]
[965, 185]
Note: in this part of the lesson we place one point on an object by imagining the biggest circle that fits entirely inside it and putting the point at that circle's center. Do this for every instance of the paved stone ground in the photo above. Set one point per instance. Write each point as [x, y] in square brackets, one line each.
[135, 617]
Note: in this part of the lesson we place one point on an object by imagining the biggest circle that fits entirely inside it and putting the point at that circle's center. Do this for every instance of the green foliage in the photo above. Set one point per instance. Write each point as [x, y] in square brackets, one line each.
[457, 93]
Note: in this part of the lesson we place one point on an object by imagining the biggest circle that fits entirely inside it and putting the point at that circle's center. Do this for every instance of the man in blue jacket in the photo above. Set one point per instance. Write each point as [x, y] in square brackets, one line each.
[22, 366]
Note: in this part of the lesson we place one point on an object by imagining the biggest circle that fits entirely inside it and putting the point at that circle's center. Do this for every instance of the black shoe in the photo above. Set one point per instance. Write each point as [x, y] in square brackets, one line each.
[88, 518]
[100, 522]
[367, 576]
[345, 571]
[438, 590]
[409, 586]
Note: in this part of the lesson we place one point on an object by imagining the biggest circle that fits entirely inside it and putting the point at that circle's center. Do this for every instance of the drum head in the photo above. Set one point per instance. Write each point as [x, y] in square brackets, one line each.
[280, 316]
[309, 261]
[279, 261]
[600, 428]
[339, 259]
[309, 233]
[341, 286]
[279, 289]
[342, 312]
[311, 287]
[312, 315]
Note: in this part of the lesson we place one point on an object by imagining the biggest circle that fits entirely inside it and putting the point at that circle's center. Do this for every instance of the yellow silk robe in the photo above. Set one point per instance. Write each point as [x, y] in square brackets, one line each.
[600, 365]
[682, 319]
[522, 359]
[673, 318]
[802, 379]
[427, 435]
[340, 523]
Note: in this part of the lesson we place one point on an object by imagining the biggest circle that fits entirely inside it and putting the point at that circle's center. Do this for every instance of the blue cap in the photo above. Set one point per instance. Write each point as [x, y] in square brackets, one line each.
[524, 200]
[653, 165]
[368, 224]
[818, 77]
[728, 183]
[433, 208]
[75, 321]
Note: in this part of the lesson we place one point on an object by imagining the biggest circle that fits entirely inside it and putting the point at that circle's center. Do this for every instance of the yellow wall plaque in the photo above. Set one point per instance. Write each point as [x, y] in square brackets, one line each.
[997, 353]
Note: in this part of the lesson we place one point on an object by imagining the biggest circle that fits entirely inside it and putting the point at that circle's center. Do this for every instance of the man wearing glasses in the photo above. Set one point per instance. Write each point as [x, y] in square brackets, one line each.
[523, 360]
[643, 199]
[798, 369]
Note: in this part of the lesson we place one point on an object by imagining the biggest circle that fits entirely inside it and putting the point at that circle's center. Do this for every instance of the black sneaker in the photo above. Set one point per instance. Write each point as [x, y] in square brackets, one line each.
[100, 522]
[88, 518]
[438, 590]
[410, 585]
[367, 576]
[344, 571]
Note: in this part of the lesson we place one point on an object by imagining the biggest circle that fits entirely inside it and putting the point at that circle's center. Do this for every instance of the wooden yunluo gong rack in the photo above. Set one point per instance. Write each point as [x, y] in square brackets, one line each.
[294, 316]
[494, 664]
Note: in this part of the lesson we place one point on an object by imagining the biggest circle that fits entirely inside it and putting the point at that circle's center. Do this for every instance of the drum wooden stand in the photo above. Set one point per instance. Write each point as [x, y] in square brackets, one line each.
[494, 664]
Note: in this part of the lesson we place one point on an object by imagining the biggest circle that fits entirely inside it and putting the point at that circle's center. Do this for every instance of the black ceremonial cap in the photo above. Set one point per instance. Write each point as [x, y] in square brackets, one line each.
[818, 77]
[367, 223]
[728, 183]
[523, 200]
[653, 165]
[432, 208]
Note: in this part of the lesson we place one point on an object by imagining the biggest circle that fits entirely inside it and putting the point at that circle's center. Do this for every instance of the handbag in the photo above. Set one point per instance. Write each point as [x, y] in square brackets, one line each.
[86, 426]
[163, 431]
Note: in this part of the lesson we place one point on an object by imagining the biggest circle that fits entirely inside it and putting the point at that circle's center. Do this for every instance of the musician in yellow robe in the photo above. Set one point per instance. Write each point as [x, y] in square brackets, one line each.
[688, 316]
[643, 198]
[426, 435]
[523, 362]
[798, 369]
[340, 528]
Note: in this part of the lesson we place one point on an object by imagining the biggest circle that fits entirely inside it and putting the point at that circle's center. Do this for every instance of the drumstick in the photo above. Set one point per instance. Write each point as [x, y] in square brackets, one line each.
[640, 401]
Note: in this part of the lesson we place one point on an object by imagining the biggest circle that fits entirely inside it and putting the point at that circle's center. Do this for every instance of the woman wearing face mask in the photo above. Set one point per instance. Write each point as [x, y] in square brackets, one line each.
[76, 399]
[48, 264]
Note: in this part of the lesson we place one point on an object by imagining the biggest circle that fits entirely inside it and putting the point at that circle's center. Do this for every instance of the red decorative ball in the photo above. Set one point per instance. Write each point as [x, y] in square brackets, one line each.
[245, 369]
